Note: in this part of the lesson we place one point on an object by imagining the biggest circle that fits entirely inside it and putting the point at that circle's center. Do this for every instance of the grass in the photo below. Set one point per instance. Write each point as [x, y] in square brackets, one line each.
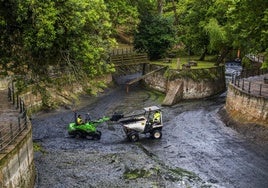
[38, 148]
[208, 63]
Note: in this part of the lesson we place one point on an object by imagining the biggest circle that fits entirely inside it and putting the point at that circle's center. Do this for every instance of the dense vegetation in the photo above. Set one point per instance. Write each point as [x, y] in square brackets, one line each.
[77, 35]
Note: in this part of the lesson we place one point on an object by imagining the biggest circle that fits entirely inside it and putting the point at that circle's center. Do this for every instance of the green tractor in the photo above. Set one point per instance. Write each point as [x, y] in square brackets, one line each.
[88, 128]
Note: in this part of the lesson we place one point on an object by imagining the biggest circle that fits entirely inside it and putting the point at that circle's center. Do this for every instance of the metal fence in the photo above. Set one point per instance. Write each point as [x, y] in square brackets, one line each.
[257, 87]
[9, 132]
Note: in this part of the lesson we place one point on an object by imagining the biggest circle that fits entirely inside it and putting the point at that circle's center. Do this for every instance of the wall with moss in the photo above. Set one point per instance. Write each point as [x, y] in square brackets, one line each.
[16, 162]
[246, 108]
[187, 84]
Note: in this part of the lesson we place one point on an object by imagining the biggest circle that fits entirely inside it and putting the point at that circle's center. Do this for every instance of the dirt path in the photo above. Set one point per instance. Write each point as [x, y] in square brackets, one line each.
[196, 150]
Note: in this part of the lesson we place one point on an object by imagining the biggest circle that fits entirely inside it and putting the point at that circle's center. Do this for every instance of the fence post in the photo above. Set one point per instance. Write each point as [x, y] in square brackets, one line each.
[9, 94]
[1, 141]
[19, 123]
[243, 84]
[235, 79]
[260, 88]
[17, 101]
[20, 105]
[13, 93]
[249, 85]
[25, 117]
[11, 131]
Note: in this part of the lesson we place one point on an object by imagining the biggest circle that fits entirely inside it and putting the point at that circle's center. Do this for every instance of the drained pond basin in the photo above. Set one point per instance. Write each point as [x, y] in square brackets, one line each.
[196, 150]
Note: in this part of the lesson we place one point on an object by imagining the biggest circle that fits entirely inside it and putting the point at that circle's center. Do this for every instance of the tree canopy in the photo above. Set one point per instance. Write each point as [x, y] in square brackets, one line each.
[79, 34]
[155, 36]
[221, 25]
[36, 34]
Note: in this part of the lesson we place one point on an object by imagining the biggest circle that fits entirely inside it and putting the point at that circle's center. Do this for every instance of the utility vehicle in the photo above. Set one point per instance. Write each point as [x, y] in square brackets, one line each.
[143, 123]
[88, 129]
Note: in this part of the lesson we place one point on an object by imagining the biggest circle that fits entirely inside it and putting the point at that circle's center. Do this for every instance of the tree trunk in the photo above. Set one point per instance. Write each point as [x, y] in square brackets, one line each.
[160, 6]
[202, 58]
[223, 55]
[176, 21]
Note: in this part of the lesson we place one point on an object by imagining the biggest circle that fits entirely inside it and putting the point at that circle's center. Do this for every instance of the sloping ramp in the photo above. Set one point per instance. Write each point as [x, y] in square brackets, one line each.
[142, 77]
[174, 93]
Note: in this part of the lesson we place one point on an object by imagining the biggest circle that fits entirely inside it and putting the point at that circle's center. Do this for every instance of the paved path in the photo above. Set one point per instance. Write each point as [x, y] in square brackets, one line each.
[257, 85]
[8, 116]
[7, 109]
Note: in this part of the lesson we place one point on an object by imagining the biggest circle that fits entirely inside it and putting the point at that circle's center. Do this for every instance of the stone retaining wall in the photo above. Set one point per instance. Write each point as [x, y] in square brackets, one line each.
[16, 162]
[246, 108]
[185, 88]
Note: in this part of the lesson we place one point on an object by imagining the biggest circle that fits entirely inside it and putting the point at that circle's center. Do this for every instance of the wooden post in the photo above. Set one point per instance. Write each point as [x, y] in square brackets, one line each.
[238, 53]
[178, 63]
[143, 68]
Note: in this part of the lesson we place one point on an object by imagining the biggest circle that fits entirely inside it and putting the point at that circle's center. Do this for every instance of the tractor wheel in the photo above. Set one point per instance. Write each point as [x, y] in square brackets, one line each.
[97, 135]
[156, 134]
[125, 130]
[72, 135]
[75, 134]
[133, 137]
[98, 132]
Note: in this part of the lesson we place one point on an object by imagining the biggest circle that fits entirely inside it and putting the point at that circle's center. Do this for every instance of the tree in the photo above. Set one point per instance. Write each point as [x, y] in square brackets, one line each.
[160, 4]
[193, 17]
[37, 34]
[247, 25]
[123, 15]
[155, 35]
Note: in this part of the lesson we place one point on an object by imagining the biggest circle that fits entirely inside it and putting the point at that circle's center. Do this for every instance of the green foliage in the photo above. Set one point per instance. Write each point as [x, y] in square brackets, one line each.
[212, 74]
[246, 63]
[247, 25]
[123, 15]
[155, 36]
[216, 33]
[38, 148]
[191, 29]
[216, 26]
[137, 173]
[265, 63]
[74, 33]
[73, 36]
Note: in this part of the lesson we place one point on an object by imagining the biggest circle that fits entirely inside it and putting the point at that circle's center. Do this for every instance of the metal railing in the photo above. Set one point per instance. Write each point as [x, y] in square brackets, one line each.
[254, 87]
[10, 131]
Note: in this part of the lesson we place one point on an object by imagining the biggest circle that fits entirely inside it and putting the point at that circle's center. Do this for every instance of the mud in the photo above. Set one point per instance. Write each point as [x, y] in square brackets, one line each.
[197, 149]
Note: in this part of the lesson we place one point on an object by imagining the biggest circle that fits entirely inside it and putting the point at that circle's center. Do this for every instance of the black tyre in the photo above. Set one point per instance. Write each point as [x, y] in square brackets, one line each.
[125, 130]
[75, 134]
[72, 135]
[97, 135]
[98, 132]
[133, 137]
[156, 134]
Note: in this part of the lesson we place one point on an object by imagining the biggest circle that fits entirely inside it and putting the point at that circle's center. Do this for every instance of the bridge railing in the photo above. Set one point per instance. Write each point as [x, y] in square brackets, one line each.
[9, 132]
[254, 87]
[120, 51]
